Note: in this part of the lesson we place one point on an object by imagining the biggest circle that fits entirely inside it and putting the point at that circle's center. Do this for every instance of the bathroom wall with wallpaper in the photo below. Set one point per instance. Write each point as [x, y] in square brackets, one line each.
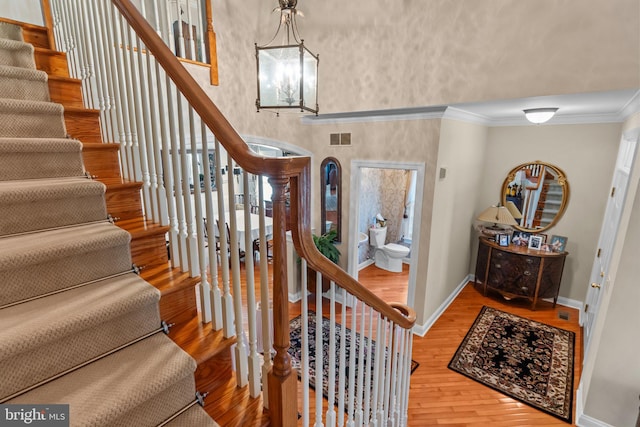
[381, 191]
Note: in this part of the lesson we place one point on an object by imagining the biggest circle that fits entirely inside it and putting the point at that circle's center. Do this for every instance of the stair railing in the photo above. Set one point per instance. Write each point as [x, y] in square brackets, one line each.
[194, 168]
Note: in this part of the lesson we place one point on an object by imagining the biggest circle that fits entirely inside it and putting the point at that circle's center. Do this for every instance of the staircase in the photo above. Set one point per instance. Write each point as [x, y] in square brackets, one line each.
[164, 123]
[80, 326]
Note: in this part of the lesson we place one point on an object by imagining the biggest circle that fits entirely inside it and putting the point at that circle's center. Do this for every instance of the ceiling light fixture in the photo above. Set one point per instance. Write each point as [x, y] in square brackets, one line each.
[287, 73]
[539, 115]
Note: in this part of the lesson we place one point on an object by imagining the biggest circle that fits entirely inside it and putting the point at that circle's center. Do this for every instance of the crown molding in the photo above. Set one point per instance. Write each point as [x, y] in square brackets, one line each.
[454, 113]
[396, 114]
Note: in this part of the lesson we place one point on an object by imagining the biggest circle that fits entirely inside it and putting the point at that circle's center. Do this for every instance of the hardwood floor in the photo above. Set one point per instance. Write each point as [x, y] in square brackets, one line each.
[438, 396]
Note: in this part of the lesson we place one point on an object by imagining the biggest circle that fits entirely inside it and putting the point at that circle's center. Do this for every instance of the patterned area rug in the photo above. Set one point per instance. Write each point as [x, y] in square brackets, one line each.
[529, 361]
[296, 353]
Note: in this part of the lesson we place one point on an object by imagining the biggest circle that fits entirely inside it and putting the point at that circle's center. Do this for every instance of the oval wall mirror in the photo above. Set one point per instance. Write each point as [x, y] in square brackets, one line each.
[331, 196]
[536, 194]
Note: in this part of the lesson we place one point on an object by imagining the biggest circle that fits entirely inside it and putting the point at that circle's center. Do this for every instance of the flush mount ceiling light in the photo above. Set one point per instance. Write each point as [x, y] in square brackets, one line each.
[539, 115]
[287, 73]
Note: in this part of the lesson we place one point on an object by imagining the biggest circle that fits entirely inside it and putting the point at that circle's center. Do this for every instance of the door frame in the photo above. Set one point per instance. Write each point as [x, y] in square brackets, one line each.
[599, 279]
[354, 210]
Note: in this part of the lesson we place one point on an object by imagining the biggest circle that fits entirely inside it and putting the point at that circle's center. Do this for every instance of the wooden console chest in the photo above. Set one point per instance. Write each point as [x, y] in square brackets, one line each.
[519, 272]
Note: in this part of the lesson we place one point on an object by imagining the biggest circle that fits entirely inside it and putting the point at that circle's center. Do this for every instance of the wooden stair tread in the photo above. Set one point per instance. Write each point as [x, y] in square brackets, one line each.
[226, 403]
[100, 145]
[167, 279]
[64, 78]
[82, 110]
[117, 182]
[140, 227]
[200, 340]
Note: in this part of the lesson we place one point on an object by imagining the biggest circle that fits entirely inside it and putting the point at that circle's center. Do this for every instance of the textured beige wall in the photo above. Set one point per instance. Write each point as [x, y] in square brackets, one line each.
[587, 154]
[461, 152]
[24, 11]
[615, 383]
[377, 54]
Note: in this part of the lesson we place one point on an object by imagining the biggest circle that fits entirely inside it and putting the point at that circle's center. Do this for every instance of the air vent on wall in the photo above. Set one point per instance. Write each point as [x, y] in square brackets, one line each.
[340, 139]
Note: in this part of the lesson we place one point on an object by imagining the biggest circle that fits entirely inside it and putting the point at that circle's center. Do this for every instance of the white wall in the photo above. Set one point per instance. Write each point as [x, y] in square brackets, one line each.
[29, 11]
[461, 152]
[587, 154]
[615, 383]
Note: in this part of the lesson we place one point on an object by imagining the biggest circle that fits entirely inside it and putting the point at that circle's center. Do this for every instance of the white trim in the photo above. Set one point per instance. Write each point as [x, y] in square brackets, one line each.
[572, 303]
[285, 146]
[587, 421]
[632, 107]
[421, 330]
[295, 297]
[391, 115]
[454, 113]
[366, 263]
[354, 207]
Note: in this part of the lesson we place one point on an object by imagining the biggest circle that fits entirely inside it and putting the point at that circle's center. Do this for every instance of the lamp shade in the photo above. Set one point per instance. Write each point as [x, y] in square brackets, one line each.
[497, 215]
[539, 115]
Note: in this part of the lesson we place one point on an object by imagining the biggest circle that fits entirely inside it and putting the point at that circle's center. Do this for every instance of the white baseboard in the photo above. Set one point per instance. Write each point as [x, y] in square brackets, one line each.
[587, 421]
[365, 264]
[295, 297]
[572, 303]
[421, 330]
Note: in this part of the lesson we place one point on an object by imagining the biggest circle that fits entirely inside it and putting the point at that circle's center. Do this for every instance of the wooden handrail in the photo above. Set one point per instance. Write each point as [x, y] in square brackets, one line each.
[296, 169]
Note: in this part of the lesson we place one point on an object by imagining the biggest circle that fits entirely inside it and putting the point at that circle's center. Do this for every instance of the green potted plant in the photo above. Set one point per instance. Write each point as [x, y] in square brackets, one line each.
[326, 245]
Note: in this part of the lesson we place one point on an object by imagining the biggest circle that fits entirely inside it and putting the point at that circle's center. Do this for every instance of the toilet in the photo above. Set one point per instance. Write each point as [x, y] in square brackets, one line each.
[387, 257]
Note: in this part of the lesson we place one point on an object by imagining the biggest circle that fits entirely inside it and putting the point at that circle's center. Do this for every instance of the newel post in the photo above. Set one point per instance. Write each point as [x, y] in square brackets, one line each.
[210, 42]
[282, 382]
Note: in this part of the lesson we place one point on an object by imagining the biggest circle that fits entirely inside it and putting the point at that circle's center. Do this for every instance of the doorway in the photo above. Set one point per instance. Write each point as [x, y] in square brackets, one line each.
[404, 182]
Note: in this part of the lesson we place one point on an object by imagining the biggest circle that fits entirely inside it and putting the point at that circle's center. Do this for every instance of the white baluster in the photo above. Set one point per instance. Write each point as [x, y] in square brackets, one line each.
[192, 44]
[361, 373]
[267, 325]
[177, 173]
[192, 254]
[378, 376]
[254, 361]
[103, 75]
[215, 297]
[368, 373]
[180, 43]
[342, 363]
[352, 364]
[201, 32]
[394, 374]
[241, 350]
[387, 371]
[304, 368]
[331, 395]
[205, 290]
[319, 345]
[227, 299]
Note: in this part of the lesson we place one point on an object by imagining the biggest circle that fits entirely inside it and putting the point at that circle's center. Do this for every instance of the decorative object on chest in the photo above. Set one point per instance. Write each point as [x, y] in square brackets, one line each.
[518, 271]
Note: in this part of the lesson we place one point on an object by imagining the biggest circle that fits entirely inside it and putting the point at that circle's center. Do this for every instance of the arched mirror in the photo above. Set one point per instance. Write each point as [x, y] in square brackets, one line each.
[536, 194]
[331, 196]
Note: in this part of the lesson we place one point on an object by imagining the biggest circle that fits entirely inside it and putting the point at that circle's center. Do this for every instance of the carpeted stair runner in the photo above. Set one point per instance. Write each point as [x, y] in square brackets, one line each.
[16, 54]
[46, 336]
[40, 204]
[10, 32]
[33, 158]
[31, 119]
[22, 83]
[48, 261]
[78, 327]
[108, 392]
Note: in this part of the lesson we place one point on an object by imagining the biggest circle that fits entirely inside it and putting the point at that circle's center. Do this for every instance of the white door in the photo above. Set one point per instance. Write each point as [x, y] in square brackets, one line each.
[608, 235]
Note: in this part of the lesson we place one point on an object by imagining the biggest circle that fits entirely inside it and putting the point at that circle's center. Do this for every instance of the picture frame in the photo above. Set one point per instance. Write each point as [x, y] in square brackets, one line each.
[520, 238]
[535, 242]
[558, 243]
[544, 238]
[504, 239]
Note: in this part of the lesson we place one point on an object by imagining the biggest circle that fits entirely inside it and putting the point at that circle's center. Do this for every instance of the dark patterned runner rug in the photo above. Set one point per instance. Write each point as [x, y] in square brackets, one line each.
[296, 353]
[527, 360]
